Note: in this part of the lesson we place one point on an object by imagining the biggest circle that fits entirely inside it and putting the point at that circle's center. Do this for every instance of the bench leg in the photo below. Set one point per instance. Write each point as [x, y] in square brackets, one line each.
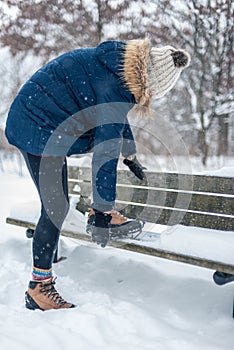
[29, 233]
[55, 256]
[233, 309]
[56, 259]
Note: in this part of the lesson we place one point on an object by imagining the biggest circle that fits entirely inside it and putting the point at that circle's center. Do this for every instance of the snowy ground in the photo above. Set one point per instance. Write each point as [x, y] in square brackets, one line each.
[125, 300]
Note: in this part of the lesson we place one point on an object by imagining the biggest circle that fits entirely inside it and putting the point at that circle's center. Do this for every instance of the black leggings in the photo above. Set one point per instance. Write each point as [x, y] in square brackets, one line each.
[50, 177]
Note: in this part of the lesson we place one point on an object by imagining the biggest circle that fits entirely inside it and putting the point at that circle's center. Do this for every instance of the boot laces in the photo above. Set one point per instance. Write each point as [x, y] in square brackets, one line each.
[49, 290]
[117, 213]
[115, 217]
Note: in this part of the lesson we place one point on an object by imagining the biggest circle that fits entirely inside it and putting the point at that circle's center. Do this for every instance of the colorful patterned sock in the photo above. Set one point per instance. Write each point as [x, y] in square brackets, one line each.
[41, 274]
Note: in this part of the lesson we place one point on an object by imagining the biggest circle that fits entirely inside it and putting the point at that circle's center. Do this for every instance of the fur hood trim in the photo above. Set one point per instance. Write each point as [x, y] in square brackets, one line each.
[136, 58]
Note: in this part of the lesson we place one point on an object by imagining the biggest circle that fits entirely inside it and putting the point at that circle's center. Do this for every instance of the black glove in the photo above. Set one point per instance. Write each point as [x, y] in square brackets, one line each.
[135, 167]
[100, 231]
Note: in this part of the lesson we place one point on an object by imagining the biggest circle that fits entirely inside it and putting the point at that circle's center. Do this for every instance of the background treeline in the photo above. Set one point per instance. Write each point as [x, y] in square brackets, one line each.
[200, 108]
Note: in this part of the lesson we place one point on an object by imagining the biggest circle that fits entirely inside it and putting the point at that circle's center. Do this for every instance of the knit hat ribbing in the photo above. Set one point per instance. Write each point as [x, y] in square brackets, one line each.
[164, 67]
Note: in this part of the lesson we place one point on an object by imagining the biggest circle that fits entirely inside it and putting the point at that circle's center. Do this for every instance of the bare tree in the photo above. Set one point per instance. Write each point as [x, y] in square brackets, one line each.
[9, 153]
[46, 27]
[54, 26]
[107, 16]
[205, 28]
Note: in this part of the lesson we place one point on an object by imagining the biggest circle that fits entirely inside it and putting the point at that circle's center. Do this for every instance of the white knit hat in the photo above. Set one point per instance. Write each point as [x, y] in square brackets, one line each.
[164, 67]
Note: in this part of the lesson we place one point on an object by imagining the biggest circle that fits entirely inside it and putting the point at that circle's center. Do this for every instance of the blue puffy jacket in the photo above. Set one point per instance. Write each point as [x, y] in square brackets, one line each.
[78, 103]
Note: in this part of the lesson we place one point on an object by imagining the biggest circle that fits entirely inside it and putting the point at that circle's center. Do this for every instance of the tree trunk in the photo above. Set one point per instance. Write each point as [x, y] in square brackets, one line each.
[203, 146]
[223, 135]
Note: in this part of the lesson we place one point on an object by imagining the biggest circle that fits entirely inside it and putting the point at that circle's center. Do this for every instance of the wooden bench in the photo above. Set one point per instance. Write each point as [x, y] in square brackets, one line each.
[162, 198]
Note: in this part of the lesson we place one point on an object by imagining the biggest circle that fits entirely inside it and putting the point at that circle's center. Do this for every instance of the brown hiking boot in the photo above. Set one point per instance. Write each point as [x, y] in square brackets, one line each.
[42, 295]
[116, 217]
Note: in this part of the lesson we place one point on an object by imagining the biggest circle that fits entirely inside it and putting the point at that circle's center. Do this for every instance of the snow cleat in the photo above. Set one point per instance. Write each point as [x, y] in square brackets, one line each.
[221, 278]
[119, 227]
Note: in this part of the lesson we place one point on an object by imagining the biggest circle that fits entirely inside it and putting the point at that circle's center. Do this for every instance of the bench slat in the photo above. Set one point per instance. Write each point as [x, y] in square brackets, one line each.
[195, 183]
[198, 183]
[173, 217]
[79, 173]
[195, 202]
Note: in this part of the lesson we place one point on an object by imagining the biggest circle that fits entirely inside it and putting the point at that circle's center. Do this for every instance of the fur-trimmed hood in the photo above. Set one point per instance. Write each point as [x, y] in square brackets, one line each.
[129, 62]
[135, 74]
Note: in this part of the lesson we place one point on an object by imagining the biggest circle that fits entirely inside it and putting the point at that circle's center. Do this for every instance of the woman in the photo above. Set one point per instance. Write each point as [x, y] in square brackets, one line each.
[75, 104]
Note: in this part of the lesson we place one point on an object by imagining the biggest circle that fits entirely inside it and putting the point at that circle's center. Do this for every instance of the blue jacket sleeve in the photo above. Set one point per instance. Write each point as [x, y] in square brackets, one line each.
[110, 124]
[128, 143]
